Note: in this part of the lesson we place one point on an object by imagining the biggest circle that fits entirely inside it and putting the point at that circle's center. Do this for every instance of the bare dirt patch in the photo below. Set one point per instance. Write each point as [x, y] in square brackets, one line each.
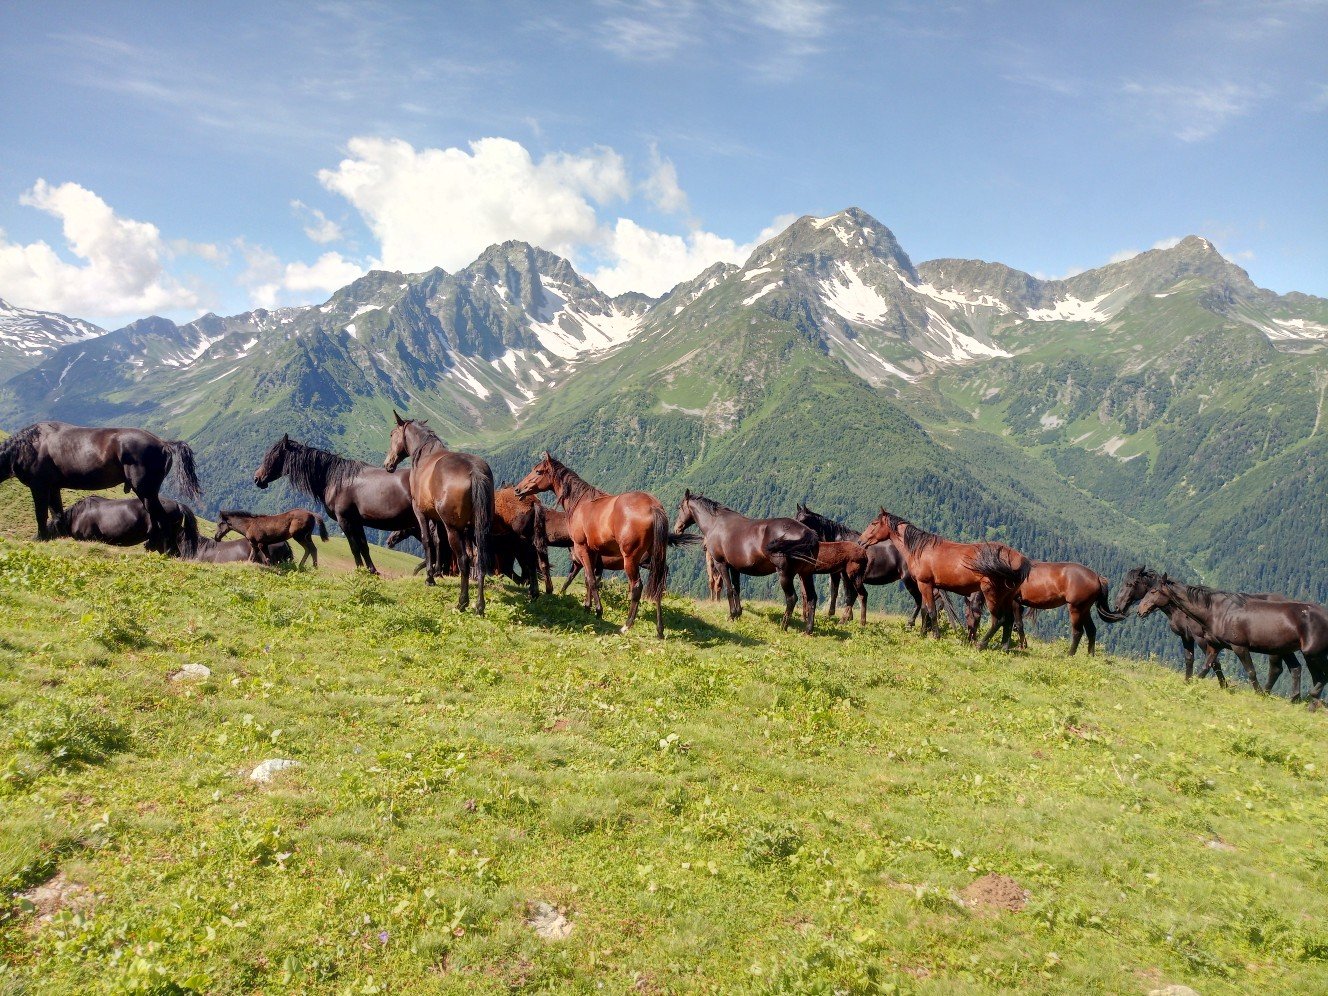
[53, 895]
[996, 892]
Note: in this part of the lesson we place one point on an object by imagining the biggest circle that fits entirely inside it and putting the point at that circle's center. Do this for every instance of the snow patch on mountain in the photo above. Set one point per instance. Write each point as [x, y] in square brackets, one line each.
[762, 293]
[1072, 309]
[954, 299]
[955, 346]
[852, 299]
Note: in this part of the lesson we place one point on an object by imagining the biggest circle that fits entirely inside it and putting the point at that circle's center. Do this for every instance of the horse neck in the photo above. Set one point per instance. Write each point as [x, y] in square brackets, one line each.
[571, 490]
[311, 470]
[1181, 600]
[425, 440]
[706, 517]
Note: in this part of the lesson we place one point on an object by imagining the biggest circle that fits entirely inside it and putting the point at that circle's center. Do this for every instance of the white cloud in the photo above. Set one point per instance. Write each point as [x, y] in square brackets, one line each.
[1192, 112]
[122, 270]
[661, 186]
[272, 283]
[330, 272]
[653, 262]
[1124, 254]
[318, 226]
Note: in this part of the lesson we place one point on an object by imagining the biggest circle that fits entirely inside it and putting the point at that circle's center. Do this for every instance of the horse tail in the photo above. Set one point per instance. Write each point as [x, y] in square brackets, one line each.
[804, 548]
[540, 538]
[1103, 605]
[60, 524]
[685, 539]
[992, 564]
[183, 471]
[190, 540]
[322, 527]
[659, 553]
[481, 518]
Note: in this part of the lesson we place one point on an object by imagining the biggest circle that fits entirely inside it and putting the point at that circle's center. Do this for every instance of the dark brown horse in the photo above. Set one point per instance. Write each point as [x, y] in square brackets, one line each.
[631, 525]
[885, 565]
[49, 456]
[517, 539]
[994, 569]
[758, 548]
[124, 522]
[262, 531]
[453, 490]
[206, 550]
[1049, 585]
[1243, 623]
[357, 495]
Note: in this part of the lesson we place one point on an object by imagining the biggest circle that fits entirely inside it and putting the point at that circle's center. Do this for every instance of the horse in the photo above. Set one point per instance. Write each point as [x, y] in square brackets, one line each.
[517, 539]
[206, 550]
[261, 530]
[357, 495]
[715, 577]
[994, 569]
[124, 522]
[885, 565]
[756, 547]
[842, 559]
[1243, 624]
[1049, 585]
[631, 525]
[49, 456]
[452, 489]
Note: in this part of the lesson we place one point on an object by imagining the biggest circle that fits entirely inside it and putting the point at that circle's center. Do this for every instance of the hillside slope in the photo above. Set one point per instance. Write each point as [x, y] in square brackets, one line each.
[460, 778]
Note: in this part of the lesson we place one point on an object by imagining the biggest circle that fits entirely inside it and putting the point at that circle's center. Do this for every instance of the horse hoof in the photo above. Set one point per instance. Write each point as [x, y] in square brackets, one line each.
[430, 582]
[624, 628]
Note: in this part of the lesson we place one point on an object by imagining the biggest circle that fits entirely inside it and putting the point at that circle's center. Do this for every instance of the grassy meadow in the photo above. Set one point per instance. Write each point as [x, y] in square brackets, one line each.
[730, 810]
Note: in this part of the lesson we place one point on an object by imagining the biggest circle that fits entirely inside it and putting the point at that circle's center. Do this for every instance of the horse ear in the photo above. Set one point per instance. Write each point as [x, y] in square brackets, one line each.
[285, 437]
[882, 509]
[425, 422]
[687, 493]
[548, 456]
[400, 420]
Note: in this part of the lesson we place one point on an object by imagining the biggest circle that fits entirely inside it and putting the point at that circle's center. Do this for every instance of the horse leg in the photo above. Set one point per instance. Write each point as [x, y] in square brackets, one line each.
[997, 616]
[929, 624]
[911, 587]
[809, 601]
[632, 568]
[258, 553]
[1090, 630]
[790, 599]
[1274, 672]
[41, 511]
[1244, 654]
[1018, 611]
[1294, 663]
[734, 590]
[353, 526]
[1077, 629]
[587, 560]
[461, 555]
[572, 572]
[834, 594]
[306, 541]
[477, 558]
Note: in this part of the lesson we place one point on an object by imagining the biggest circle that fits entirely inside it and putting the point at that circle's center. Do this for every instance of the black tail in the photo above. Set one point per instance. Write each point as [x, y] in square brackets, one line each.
[188, 538]
[659, 555]
[685, 539]
[183, 471]
[540, 538]
[322, 527]
[481, 500]
[992, 563]
[804, 548]
[1103, 606]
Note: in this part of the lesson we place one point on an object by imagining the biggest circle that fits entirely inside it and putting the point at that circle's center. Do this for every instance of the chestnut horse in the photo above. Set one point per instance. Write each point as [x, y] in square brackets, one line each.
[49, 456]
[1049, 585]
[756, 547]
[452, 489]
[263, 530]
[631, 525]
[994, 569]
[884, 565]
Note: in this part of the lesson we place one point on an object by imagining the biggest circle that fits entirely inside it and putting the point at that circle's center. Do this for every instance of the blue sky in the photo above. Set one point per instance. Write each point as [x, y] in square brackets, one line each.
[176, 158]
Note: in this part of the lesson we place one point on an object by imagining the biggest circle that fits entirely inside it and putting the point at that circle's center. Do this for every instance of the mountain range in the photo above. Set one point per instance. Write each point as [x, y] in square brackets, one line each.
[1161, 408]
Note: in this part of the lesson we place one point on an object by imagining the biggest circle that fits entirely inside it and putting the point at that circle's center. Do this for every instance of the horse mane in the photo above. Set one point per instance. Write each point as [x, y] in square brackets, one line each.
[829, 529]
[1205, 595]
[22, 445]
[574, 489]
[237, 513]
[313, 471]
[710, 505]
[429, 437]
[916, 539]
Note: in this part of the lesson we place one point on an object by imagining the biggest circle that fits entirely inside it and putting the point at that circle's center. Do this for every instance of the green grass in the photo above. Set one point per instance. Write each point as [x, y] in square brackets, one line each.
[732, 809]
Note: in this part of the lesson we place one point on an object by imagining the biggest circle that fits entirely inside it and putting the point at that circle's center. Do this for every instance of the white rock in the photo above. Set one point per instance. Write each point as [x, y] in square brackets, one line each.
[265, 771]
[548, 922]
[192, 672]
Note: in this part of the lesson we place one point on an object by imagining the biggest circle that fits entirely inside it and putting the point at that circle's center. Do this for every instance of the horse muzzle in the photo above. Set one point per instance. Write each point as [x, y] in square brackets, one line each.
[260, 482]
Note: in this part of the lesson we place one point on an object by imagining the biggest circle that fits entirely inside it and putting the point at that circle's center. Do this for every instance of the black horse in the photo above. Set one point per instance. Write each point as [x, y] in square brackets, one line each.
[206, 550]
[355, 494]
[1245, 623]
[124, 522]
[49, 456]
[885, 565]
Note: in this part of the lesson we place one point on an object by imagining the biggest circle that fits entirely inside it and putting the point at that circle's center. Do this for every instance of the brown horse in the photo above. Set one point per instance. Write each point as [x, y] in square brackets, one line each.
[885, 565]
[994, 569]
[1049, 585]
[452, 489]
[631, 525]
[714, 576]
[298, 524]
[757, 548]
[517, 539]
[847, 561]
[49, 456]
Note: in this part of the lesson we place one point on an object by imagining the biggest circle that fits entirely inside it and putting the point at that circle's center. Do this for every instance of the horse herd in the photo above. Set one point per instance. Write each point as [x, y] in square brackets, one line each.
[447, 499]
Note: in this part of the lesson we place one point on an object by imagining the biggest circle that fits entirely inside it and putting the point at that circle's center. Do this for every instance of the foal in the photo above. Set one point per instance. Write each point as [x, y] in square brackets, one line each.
[298, 524]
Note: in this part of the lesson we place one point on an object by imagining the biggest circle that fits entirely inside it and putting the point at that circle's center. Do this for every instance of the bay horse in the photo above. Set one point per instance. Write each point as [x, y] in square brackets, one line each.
[1049, 585]
[995, 569]
[1243, 624]
[631, 525]
[49, 456]
[124, 522]
[885, 565]
[357, 495]
[517, 539]
[261, 531]
[453, 490]
[758, 548]
[206, 550]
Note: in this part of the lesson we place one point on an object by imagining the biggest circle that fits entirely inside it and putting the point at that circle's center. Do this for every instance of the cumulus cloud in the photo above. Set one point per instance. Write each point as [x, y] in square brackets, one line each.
[318, 226]
[271, 282]
[121, 269]
[661, 186]
[443, 207]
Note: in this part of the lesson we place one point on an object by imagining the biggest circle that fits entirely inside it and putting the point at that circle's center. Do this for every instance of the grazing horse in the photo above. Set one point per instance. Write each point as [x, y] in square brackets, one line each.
[885, 565]
[263, 530]
[994, 569]
[1049, 585]
[355, 494]
[452, 489]
[49, 456]
[124, 522]
[1243, 623]
[206, 550]
[756, 547]
[632, 525]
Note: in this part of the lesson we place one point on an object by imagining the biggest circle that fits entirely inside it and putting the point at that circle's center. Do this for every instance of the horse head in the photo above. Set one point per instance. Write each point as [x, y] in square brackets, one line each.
[686, 516]
[1158, 597]
[274, 463]
[398, 445]
[1135, 586]
[223, 527]
[541, 477]
[878, 530]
